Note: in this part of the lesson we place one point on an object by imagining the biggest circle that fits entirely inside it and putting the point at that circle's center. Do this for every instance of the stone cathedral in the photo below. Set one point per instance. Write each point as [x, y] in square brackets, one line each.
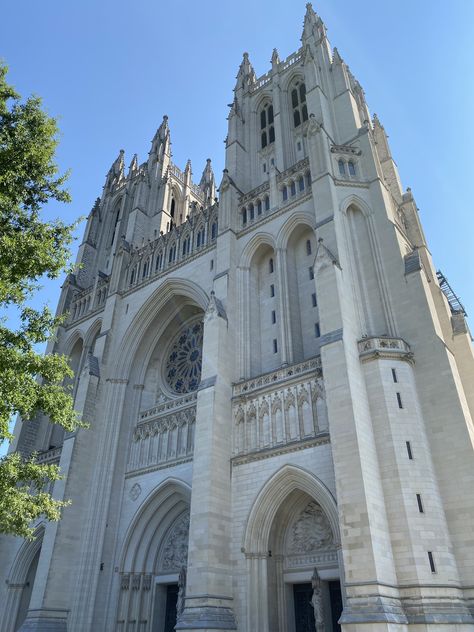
[278, 383]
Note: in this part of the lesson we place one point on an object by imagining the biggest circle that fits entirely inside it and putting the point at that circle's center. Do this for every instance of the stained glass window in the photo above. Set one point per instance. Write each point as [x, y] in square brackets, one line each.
[184, 361]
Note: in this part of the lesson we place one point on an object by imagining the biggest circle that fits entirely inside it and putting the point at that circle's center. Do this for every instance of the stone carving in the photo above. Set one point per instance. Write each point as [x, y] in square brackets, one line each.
[214, 309]
[289, 399]
[125, 581]
[135, 492]
[181, 591]
[317, 602]
[311, 531]
[239, 415]
[175, 549]
[263, 408]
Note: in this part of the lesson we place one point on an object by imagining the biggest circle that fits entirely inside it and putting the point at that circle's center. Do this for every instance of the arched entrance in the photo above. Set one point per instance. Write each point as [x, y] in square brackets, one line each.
[292, 530]
[154, 560]
[21, 581]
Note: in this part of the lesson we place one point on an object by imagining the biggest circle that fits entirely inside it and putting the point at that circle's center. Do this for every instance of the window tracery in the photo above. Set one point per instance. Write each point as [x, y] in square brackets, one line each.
[184, 359]
[267, 128]
[298, 103]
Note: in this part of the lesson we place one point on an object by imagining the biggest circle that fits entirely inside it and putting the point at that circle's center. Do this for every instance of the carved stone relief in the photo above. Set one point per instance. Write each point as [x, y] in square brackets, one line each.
[175, 548]
[310, 532]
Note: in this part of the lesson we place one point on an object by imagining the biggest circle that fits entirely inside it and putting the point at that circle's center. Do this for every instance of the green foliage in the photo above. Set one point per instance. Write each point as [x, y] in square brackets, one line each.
[23, 495]
[30, 384]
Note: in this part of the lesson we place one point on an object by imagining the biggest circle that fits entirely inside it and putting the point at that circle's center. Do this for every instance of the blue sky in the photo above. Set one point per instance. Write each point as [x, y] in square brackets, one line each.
[110, 70]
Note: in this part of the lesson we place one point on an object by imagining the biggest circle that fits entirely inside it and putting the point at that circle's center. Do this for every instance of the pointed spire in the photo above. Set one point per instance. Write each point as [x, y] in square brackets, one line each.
[116, 171]
[161, 140]
[208, 183]
[275, 58]
[336, 58]
[376, 121]
[118, 165]
[246, 75]
[188, 166]
[313, 25]
[160, 147]
[133, 168]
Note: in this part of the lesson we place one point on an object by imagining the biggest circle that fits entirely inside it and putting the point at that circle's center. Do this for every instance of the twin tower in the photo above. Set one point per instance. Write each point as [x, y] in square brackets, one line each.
[279, 387]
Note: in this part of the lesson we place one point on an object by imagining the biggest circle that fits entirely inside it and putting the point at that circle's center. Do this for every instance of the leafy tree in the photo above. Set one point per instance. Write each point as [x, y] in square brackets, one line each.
[30, 383]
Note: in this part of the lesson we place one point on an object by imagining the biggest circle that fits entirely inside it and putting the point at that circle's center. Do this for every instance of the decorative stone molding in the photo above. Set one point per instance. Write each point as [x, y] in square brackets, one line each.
[163, 439]
[167, 406]
[345, 149]
[278, 409]
[276, 377]
[49, 457]
[375, 348]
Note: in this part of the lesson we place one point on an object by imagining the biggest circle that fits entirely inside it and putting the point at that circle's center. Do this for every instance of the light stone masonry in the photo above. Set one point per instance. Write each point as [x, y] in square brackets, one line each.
[279, 387]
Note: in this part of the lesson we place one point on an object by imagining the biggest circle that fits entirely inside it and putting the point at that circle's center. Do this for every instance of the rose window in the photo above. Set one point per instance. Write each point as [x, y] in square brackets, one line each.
[184, 359]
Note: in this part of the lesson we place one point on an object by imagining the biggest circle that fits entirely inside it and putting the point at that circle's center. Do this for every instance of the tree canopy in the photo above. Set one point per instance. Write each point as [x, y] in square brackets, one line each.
[31, 384]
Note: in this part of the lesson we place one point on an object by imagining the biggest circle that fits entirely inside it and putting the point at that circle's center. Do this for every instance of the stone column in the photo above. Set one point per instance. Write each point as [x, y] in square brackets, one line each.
[51, 597]
[208, 603]
[286, 353]
[93, 527]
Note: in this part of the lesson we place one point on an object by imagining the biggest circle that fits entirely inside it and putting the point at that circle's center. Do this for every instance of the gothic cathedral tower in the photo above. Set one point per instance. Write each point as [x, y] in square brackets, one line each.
[279, 387]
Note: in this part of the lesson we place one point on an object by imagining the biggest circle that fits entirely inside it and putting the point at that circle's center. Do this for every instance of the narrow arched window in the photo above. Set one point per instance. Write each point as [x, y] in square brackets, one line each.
[267, 128]
[351, 168]
[284, 193]
[259, 207]
[308, 246]
[342, 167]
[116, 222]
[172, 254]
[200, 237]
[270, 266]
[214, 231]
[251, 212]
[244, 216]
[173, 207]
[298, 103]
[159, 259]
[300, 184]
[132, 276]
[293, 188]
[308, 179]
[267, 203]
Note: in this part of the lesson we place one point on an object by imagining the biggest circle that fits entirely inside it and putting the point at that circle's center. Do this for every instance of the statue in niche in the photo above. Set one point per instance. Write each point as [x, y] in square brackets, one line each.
[317, 602]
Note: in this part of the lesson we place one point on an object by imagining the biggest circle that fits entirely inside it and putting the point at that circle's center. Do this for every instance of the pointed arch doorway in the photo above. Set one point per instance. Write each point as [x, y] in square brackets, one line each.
[292, 529]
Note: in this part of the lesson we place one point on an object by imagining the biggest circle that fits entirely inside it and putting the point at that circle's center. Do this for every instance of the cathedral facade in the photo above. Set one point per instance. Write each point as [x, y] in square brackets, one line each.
[279, 387]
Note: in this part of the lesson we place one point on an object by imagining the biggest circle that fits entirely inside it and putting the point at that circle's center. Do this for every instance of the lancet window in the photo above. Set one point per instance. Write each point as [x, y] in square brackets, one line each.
[298, 103]
[267, 128]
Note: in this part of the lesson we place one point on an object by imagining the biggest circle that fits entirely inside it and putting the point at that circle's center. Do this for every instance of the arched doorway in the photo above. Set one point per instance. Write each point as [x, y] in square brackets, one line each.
[292, 530]
[153, 565]
[21, 581]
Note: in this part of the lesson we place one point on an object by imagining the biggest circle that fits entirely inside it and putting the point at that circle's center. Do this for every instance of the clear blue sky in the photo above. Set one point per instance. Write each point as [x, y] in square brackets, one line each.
[110, 70]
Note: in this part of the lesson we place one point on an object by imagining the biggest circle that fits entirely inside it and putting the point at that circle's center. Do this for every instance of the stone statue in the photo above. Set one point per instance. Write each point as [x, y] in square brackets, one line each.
[317, 602]
[181, 591]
